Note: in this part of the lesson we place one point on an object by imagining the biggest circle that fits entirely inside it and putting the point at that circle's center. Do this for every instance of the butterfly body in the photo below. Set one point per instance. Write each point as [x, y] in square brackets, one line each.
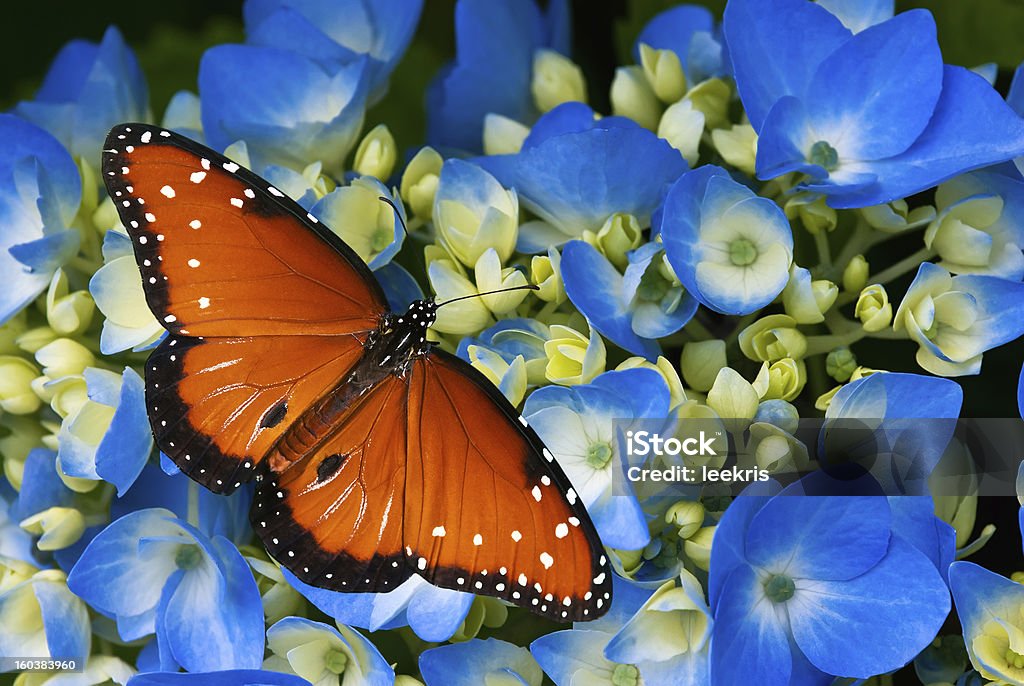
[375, 455]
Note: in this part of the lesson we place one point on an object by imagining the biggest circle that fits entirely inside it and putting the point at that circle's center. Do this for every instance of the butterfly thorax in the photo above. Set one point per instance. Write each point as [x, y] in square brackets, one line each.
[399, 339]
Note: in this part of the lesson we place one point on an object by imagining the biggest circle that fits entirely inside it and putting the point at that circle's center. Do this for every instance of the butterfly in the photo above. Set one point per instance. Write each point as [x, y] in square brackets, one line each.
[374, 454]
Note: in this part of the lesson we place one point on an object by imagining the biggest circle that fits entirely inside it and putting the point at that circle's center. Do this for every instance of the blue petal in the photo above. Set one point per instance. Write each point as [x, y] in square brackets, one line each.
[563, 654]
[41, 486]
[469, 663]
[65, 620]
[435, 614]
[980, 594]
[125, 448]
[972, 127]
[571, 117]
[654, 319]
[44, 255]
[111, 576]
[897, 395]
[749, 644]
[234, 677]
[495, 43]
[1000, 310]
[729, 549]
[215, 622]
[399, 286]
[858, 15]
[895, 610]
[595, 287]
[827, 537]
[276, 25]
[874, 96]
[913, 519]
[775, 47]
[1020, 393]
[645, 391]
[619, 520]
[575, 181]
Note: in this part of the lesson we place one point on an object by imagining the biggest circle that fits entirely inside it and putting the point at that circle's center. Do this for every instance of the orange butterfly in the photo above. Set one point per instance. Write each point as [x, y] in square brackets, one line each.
[375, 455]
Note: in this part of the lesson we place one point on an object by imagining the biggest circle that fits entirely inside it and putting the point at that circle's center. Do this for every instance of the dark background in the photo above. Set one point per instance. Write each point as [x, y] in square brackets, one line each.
[169, 39]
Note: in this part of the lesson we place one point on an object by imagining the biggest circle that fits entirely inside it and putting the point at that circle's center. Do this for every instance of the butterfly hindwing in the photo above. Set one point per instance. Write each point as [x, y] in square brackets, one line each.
[491, 511]
[224, 253]
[217, 405]
[334, 516]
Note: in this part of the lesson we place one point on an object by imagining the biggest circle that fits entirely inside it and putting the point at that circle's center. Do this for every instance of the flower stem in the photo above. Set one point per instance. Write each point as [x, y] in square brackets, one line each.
[892, 273]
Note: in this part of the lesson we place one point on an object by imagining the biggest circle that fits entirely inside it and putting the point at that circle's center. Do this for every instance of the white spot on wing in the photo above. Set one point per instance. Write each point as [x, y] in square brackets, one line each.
[561, 531]
[195, 223]
[516, 536]
[193, 263]
[237, 202]
[231, 167]
[167, 192]
[197, 177]
[478, 540]
[536, 493]
[146, 136]
[204, 302]
[438, 531]
[546, 560]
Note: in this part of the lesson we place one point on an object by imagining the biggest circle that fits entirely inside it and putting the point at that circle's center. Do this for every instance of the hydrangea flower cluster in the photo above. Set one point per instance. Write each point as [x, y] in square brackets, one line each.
[769, 190]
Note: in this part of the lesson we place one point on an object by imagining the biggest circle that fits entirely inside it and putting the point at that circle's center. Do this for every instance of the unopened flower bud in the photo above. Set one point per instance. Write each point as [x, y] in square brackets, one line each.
[772, 338]
[815, 215]
[806, 301]
[420, 179]
[873, 308]
[633, 97]
[737, 145]
[556, 80]
[855, 276]
[376, 153]
[620, 233]
[781, 380]
[60, 527]
[16, 394]
[664, 73]
[546, 272]
[688, 515]
[64, 357]
[840, 363]
[701, 361]
[572, 357]
[503, 136]
[682, 125]
[698, 547]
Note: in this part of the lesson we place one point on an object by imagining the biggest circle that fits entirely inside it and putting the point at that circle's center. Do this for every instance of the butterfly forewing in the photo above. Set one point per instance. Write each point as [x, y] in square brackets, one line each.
[222, 252]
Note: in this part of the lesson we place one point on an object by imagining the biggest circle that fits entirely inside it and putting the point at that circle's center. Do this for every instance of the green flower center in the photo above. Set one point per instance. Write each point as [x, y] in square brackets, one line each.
[335, 661]
[1014, 659]
[188, 556]
[625, 675]
[742, 252]
[779, 588]
[599, 454]
[381, 239]
[824, 155]
[653, 286]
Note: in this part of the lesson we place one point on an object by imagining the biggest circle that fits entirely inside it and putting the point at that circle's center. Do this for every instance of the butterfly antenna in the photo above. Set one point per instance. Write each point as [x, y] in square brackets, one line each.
[398, 214]
[527, 287]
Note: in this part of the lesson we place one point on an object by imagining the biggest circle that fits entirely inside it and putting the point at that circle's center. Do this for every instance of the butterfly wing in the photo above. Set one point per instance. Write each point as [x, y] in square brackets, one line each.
[267, 309]
[224, 253]
[435, 473]
[488, 510]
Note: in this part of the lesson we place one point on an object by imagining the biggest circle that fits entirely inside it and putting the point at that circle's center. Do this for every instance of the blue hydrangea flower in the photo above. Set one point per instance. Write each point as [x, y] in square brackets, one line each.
[979, 228]
[45, 499]
[914, 419]
[40, 190]
[433, 613]
[575, 171]
[325, 655]
[336, 33]
[288, 108]
[631, 309]
[580, 424]
[15, 542]
[689, 31]
[479, 662]
[495, 43]
[87, 90]
[991, 611]
[870, 117]
[512, 338]
[729, 247]
[108, 436]
[40, 617]
[155, 573]
[400, 287]
[793, 578]
[954, 319]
